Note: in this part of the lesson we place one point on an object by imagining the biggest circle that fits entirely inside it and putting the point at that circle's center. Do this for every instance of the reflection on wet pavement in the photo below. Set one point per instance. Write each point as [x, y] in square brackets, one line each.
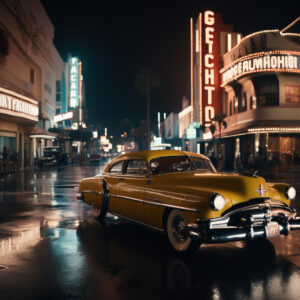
[74, 257]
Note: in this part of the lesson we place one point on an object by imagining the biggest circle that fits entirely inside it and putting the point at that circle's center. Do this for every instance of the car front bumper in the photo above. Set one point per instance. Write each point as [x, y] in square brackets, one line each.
[258, 218]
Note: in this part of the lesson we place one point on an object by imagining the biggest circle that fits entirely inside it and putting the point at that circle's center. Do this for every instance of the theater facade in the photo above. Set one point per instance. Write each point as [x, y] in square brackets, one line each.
[261, 101]
[251, 83]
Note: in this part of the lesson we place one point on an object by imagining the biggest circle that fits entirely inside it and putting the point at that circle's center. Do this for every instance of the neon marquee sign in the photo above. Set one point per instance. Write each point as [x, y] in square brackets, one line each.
[207, 47]
[74, 82]
[18, 105]
[279, 61]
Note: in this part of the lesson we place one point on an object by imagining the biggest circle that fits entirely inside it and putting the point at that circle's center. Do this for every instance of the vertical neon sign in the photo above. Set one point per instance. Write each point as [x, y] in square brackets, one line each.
[210, 66]
[74, 82]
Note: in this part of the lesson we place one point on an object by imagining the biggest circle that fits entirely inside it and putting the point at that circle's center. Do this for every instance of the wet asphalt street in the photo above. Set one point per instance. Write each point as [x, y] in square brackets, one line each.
[51, 248]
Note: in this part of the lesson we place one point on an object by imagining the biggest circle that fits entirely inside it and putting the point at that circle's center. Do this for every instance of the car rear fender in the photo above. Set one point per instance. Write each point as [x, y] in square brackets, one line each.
[92, 190]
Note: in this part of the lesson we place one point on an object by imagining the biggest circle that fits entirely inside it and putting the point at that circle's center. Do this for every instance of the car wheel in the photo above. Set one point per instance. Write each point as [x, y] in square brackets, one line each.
[177, 233]
[100, 213]
[96, 211]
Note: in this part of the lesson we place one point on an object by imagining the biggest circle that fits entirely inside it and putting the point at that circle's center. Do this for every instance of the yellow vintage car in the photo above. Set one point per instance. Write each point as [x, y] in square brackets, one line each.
[181, 194]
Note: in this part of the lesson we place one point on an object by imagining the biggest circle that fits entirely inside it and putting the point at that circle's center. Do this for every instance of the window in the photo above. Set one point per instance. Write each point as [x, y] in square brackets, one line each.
[266, 90]
[244, 102]
[117, 168]
[170, 164]
[58, 85]
[202, 165]
[31, 75]
[137, 167]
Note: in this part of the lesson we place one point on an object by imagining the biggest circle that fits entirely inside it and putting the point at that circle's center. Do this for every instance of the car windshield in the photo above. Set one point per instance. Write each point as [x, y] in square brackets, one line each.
[170, 164]
[202, 165]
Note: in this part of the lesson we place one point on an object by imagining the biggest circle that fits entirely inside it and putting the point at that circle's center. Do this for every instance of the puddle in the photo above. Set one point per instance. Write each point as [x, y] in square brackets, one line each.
[3, 268]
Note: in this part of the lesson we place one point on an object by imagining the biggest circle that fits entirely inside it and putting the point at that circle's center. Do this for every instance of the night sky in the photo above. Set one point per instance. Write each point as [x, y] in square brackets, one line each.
[114, 38]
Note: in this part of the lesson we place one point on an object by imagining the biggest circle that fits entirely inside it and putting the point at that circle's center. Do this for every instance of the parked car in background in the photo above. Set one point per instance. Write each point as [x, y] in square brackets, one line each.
[53, 156]
[182, 194]
[95, 157]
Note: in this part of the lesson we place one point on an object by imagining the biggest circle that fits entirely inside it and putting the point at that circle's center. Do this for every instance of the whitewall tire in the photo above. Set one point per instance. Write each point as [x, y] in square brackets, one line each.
[176, 231]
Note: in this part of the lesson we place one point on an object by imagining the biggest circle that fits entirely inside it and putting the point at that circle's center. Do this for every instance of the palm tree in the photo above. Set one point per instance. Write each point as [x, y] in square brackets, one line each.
[145, 80]
[219, 118]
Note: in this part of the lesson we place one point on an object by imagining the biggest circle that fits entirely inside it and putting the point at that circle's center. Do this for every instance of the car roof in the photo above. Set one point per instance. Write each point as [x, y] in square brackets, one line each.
[152, 154]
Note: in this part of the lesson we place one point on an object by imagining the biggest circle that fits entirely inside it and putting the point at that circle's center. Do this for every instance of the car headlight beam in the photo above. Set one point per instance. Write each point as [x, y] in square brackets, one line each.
[217, 202]
[290, 193]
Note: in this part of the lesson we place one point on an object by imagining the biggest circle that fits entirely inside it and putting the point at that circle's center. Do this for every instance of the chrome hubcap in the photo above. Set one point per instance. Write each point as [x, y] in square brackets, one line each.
[179, 229]
[96, 211]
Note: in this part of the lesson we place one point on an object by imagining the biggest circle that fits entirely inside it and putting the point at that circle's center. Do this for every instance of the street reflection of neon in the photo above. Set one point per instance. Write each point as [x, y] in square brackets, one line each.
[52, 223]
[257, 290]
[27, 236]
[54, 203]
[216, 294]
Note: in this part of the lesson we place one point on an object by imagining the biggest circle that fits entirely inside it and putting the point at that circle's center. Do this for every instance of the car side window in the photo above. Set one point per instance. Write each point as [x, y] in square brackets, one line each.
[117, 168]
[136, 167]
[202, 165]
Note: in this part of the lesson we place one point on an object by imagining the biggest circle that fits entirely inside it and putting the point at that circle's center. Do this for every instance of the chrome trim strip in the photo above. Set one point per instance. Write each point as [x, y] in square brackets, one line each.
[253, 207]
[127, 198]
[91, 192]
[159, 204]
[134, 221]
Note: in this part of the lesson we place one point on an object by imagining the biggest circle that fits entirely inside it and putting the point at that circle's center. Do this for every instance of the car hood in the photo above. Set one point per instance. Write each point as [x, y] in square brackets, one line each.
[235, 187]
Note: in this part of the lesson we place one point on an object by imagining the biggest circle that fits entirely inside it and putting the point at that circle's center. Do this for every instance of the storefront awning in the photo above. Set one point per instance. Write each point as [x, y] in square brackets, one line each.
[275, 126]
[267, 126]
[36, 132]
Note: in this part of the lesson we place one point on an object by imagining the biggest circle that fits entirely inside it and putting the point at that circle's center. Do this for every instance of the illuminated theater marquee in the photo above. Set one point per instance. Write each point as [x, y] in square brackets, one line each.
[74, 82]
[207, 45]
[209, 58]
[18, 105]
[261, 62]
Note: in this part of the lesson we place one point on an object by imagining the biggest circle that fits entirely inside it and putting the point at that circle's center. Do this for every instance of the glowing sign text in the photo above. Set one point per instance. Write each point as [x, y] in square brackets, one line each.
[266, 62]
[14, 104]
[209, 73]
[63, 117]
[74, 82]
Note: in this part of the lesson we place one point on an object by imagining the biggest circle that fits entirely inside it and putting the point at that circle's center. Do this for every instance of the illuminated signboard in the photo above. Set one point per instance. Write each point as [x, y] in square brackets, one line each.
[17, 105]
[207, 45]
[63, 117]
[74, 82]
[191, 133]
[274, 61]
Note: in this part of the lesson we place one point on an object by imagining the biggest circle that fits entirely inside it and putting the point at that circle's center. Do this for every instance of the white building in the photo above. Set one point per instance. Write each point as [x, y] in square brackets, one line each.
[30, 67]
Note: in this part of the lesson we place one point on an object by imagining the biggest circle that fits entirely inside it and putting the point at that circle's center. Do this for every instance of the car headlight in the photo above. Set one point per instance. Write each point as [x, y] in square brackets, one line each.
[217, 202]
[290, 193]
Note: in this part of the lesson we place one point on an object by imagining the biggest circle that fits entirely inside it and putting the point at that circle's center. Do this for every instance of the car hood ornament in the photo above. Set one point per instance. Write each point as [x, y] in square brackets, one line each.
[260, 190]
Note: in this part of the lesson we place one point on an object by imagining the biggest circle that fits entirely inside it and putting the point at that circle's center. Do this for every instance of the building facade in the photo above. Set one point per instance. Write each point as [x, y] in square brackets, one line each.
[252, 86]
[261, 100]
[70, 97]
[30, 66]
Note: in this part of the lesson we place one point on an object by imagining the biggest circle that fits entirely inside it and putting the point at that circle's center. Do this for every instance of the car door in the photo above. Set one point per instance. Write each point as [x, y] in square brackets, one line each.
[113, 179]
[132, 190]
